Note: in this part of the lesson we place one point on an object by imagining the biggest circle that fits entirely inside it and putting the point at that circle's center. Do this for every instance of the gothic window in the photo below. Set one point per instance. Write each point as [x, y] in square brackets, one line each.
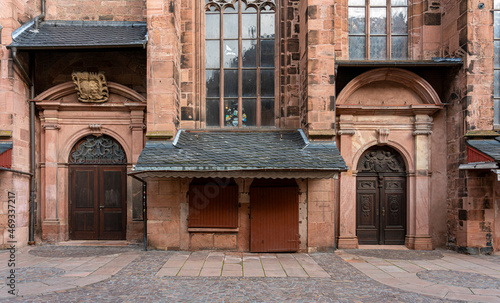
[496, 35]
[378, 29]
[240, 63]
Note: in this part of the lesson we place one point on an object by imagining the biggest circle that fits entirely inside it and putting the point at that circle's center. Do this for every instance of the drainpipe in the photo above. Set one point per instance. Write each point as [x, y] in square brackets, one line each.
[40, 17]
[29, 81]
[32, 155]
[144, 209]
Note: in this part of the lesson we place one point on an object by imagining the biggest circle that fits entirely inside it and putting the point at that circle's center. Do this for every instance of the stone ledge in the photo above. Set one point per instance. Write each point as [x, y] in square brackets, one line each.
[168, 134]
[5, 134]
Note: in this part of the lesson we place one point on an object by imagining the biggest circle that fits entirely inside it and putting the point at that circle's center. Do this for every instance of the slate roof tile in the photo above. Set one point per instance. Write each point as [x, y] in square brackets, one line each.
[80, 34]
[239, 151]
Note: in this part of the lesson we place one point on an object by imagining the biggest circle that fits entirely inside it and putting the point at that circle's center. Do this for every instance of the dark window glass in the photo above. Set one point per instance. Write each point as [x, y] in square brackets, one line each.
[240, 36]
[267, 83]
[372, 36]
[267, 53]
[213, 81]
[249, 112]
[213, 112]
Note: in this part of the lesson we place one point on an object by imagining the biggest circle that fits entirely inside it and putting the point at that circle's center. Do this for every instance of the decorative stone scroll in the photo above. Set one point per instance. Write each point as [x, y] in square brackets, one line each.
[261, 5]
[91, 87]
[381, 160]
[97, 150]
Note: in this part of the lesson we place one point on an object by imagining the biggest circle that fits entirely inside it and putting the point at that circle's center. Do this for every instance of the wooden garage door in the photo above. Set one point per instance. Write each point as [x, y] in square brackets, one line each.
[274, 219]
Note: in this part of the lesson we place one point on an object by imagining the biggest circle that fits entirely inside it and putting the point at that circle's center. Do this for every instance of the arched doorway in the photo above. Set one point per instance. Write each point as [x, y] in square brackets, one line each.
[97, 178]
[381, 197]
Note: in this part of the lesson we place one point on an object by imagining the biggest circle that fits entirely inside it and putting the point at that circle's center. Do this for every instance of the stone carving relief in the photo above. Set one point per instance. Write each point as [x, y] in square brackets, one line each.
[220, 5]
[91, 87]
[97, 150]
[381, 160]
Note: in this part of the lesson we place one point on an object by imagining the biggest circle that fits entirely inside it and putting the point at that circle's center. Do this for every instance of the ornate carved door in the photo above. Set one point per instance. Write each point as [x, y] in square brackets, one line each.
[381, 197]
[98, 190]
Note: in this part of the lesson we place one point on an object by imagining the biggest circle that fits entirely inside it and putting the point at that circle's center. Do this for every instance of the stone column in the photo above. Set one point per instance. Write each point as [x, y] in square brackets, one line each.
[318, 55]
[163, 67]
[419, 234]
[347, 232]
[50, 219]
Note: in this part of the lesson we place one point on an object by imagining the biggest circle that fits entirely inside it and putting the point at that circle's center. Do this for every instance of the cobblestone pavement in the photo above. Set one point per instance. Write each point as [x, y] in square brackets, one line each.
[132, 275]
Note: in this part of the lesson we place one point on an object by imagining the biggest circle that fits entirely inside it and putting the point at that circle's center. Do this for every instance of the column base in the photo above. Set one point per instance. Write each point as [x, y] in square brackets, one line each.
[348, 242]
[423, 242]
[51, 229]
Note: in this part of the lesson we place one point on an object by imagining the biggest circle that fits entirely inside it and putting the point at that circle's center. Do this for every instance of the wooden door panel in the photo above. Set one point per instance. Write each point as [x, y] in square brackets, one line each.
[112, 204]
[394, 202]
[274, 219]
[84, 216]
[367, 210]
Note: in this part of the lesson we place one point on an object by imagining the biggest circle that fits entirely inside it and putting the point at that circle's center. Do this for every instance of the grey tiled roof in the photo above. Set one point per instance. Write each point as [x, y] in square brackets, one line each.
[240, 151]
[4, 146]
[490, 147]
[80, 34]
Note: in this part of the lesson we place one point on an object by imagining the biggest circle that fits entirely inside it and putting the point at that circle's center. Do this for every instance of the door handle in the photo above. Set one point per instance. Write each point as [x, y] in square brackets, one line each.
[383, 211]
[101, 207]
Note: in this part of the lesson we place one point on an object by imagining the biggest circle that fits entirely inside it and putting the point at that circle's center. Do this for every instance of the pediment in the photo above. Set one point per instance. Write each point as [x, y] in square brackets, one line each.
[383, 93]
[388, 87]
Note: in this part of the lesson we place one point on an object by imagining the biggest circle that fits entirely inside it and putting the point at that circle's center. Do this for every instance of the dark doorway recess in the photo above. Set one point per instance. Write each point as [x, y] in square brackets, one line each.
[381, 197]
[98, 190]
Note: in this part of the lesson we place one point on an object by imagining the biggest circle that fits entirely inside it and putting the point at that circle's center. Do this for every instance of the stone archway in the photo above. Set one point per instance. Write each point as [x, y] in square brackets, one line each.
[390, 107]
[381, 197]
[97, 189]
[64, 120]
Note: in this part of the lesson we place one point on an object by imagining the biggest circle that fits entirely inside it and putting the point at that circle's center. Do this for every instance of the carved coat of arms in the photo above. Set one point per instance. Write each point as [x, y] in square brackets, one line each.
[91, 87]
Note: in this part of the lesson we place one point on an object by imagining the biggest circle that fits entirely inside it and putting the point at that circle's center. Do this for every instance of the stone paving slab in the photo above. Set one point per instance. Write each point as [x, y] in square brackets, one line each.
[452, 276]
[153, 276]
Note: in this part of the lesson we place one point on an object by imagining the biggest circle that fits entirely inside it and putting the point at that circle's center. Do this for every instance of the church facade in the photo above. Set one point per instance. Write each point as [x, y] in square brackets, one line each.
[251, 125]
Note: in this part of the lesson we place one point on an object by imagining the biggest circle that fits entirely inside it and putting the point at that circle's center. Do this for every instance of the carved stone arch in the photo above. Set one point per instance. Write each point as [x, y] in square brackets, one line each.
[94, 150]
[78, 136]
[381, 159]
[400, 149]
[68, 88]
[407, 79]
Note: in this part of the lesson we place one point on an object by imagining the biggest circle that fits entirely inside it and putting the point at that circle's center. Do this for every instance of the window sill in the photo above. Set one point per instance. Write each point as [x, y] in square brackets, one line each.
[212, 230]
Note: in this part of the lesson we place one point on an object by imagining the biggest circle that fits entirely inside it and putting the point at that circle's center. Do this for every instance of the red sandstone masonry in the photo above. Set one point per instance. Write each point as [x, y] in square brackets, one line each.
[96, 10]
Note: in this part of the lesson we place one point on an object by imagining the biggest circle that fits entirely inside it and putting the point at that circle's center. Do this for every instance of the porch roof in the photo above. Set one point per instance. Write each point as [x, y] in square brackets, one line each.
[244, 154]
[489, 147]
[56, 34]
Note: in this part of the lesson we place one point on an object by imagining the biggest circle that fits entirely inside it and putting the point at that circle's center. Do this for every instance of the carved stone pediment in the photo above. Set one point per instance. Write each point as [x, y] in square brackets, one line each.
[91, 87]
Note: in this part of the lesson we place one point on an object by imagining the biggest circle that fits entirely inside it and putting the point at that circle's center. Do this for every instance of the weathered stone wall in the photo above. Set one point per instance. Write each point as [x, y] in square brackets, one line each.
[468, 33]
[164, 65]
[289, 64]
[168, 208]
[14, 117]
[476, 219]
[96, 10]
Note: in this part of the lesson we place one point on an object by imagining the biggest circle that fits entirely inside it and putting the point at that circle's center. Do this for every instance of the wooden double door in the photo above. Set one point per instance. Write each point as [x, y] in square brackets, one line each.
[381, 209]
[97, 202]
[274, 214]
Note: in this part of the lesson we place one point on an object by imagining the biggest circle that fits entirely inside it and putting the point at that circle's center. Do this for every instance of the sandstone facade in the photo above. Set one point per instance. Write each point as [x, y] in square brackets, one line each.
[422, 109]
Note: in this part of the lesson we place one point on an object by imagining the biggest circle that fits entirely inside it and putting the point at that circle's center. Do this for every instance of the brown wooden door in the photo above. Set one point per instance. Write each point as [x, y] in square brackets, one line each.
[84, 207]
[380, 209]
[274, 217]
[98, 202]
